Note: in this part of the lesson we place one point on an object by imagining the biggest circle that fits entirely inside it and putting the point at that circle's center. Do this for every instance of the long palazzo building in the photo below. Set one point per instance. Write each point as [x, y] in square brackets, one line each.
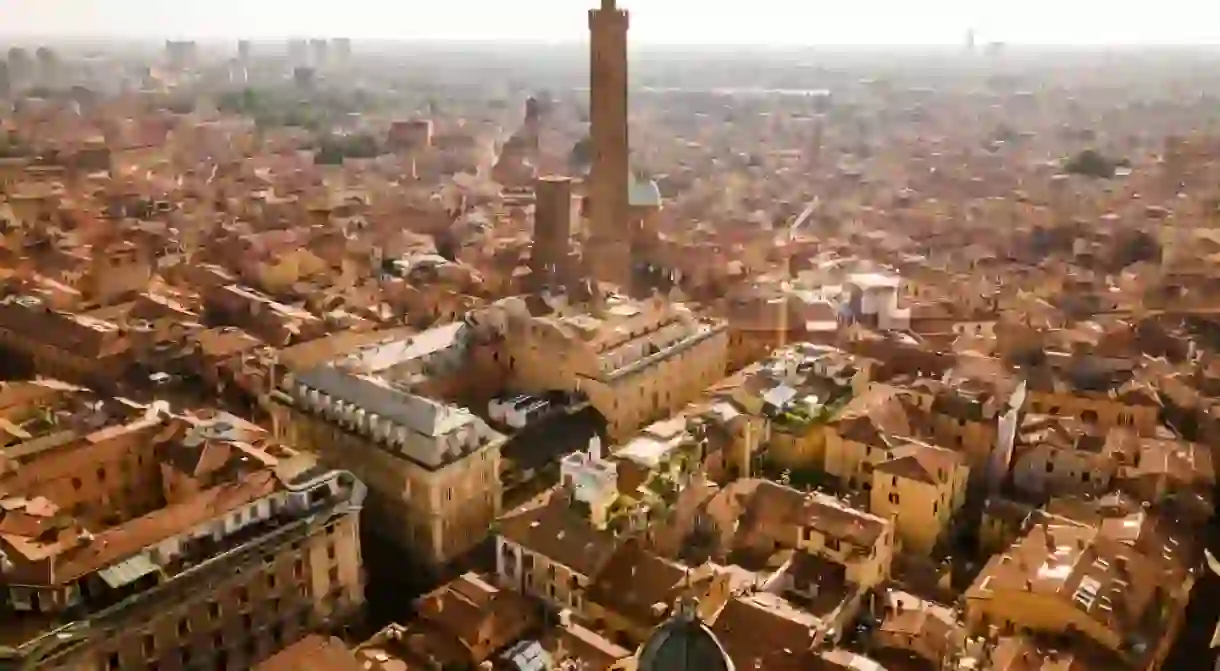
[134, 538]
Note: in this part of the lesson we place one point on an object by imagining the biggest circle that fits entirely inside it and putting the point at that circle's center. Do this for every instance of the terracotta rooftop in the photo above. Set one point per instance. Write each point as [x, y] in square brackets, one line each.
[925, 463]
[313, 653]
[765, 632]
[637, 584]
[1115, 584]
[555, 531]
[776, 507]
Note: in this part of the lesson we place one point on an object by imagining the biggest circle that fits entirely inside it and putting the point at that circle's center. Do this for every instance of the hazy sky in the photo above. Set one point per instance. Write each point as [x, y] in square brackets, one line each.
[665, 21]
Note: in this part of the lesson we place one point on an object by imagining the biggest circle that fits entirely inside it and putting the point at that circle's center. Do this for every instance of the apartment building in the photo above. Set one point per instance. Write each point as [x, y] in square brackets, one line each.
[636, 591]
[432, 467]
[636, 362]
[921, 488]
[73, 347]
[171, 542]
[548, 551]
[1105, 393]
[1124, 592]
[775, 518]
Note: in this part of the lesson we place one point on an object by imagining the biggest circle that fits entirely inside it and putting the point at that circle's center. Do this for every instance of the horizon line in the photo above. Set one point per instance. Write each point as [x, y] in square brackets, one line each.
[7, 39]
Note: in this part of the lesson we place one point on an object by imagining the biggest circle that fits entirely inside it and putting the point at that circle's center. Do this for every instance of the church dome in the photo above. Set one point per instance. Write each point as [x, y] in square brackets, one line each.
[643, 192]
[683, 643]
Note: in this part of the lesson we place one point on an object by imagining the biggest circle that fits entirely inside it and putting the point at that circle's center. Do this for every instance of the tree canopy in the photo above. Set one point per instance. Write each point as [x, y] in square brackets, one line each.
[271, 108]
[333, 149]
[1091, 163]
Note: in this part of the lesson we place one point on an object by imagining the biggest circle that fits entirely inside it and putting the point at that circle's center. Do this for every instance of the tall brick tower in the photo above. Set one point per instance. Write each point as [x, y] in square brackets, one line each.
[608, 250]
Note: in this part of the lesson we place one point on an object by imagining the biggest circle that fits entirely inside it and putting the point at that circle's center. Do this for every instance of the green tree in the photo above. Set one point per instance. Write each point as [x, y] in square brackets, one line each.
[1091, 163]
[328, 154]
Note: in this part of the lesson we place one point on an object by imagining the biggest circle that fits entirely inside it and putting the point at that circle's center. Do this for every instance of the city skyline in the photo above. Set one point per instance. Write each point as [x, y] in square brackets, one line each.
[778, 22]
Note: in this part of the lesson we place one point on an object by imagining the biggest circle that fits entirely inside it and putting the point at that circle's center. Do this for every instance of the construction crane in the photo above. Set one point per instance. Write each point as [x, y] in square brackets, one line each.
[804, 216]
[786, 281]
[790, 235]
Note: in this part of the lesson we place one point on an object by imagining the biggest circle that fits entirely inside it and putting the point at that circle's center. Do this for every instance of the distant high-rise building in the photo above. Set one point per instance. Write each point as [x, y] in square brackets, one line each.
[609, 250]
[5, 83]
[970, 39]
[48, 66]
[180, 54]
[342, 47]
[298, 51]
[303, 76]
[320, 50]
[19, 64]
[18, 56]
[243, 50]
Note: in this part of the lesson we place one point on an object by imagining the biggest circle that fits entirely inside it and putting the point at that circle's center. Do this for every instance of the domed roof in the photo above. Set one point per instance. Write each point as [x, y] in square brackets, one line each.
[683, 643]
[643, 192]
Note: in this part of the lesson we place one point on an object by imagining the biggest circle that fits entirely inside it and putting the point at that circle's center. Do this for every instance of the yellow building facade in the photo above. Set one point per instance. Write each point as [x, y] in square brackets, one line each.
[636, 362]
[920, 488]
[432, 468]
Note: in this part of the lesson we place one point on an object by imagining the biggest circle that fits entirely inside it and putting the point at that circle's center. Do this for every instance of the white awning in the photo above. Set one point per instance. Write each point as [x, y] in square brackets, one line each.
[127, 571]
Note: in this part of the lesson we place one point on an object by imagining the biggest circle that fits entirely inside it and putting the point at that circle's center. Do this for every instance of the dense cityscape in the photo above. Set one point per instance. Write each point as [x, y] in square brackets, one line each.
[324, 355]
